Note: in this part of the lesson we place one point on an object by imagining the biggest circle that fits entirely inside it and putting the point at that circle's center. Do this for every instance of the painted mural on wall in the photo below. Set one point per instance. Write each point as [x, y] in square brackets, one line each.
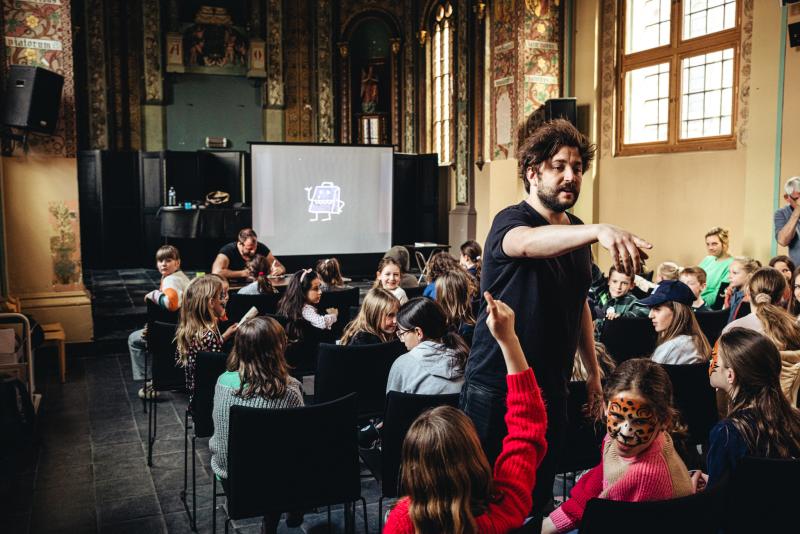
[213, 45]
[503, 71]
[39, 33]
[64, 244]
[542, 57]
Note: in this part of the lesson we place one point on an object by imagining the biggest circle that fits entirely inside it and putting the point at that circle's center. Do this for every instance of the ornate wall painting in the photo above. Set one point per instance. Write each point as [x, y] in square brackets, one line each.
[212, 44]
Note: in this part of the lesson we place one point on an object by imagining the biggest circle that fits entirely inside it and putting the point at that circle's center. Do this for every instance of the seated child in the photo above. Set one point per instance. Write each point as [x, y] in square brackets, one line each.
[680, 340]
[454, 292]
[258, 268]
[440, 263]
[639, 459]
[617, 301]
[330, 274]
[447, 482]
[198, 327]
[668, 270]
[471, 258]
[740, 270]
[604, 359]
[168, 296]
[400, 254]
[299, 305]
[388, 278]
[434, 363]
[376, 321]
[257, 376]
[761, 422]
[695, 278]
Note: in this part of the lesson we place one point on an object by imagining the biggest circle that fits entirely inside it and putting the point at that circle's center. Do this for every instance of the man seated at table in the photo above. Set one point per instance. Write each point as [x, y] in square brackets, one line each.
[231, 261]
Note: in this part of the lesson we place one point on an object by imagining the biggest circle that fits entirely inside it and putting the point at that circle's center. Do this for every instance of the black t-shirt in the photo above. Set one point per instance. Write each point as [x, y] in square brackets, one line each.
[547, 296]
[235, 260]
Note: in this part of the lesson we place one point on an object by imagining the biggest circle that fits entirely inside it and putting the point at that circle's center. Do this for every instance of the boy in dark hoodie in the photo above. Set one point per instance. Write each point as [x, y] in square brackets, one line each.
[617, 301]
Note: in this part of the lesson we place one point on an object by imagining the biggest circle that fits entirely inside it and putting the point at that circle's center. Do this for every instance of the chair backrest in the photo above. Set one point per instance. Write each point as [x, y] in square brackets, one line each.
[292, 458]
[762, 494]
[238, 304]
[698, 513]
[414, 292]
[363, 369]
[209, 366]
[302, 355]
[628, 337]
[166, 373]
[157, 313]
[694, 398]
[342, 300]
[402, 409]
[712, 323]
[584, 434]
[723, 287]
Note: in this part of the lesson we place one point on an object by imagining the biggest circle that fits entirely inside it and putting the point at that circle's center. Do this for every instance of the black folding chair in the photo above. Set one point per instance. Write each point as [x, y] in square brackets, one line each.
[712, 323]
[167, 374]
[292, 459]
[155, 313]
[342, 300]
[628, 337]
[763, 493]
[584, 435]
[209, 366]
[402, 409]
[700, 513]
[361, 369]
[695, 399]
[238, 305]
[720, 301]
[302, 355]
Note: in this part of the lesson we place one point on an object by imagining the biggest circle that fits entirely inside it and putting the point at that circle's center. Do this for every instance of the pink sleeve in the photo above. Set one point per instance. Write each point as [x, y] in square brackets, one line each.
[568, 516]
[523, 450]
[645, 481]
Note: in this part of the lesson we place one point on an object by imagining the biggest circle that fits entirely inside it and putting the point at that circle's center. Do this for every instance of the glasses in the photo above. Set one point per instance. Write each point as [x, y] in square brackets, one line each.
[400, 333]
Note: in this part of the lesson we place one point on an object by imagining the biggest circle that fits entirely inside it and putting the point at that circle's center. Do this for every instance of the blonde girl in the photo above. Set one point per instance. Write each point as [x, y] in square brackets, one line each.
[740, 270]
[198, 327]
[388, 277]
[376, 321]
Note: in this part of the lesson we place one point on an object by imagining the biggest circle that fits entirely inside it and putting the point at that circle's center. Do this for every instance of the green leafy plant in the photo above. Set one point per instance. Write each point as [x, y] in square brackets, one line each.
[63, 245]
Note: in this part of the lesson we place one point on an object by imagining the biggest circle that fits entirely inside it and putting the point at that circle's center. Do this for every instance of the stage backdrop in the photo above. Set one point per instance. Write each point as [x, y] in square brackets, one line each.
[322, 199]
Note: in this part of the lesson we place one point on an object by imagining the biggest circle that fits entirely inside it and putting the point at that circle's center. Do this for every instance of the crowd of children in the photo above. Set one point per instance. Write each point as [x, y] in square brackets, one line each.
[446, 480]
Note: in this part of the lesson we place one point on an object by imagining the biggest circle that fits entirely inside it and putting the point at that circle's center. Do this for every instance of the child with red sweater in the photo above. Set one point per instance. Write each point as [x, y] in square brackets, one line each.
[445, 475]
[639, 460]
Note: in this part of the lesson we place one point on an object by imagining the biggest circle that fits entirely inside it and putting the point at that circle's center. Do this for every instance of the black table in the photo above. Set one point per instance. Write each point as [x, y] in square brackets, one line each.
[209, 223]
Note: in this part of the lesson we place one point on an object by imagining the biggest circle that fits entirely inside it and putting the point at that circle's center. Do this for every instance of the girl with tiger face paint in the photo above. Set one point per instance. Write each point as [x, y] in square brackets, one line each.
[631, 423]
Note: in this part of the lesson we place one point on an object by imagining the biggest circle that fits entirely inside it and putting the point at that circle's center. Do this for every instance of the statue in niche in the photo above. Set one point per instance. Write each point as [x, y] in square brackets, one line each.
[369, 90]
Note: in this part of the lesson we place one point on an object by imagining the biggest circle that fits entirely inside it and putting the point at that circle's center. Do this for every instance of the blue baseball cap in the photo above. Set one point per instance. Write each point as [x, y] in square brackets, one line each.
[669, 290]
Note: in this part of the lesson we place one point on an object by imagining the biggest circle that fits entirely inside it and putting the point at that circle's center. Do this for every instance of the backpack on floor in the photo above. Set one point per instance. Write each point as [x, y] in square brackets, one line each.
[17, 416]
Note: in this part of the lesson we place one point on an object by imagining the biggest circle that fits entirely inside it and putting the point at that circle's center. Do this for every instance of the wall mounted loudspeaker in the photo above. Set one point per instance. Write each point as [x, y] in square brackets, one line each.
[561, 108]
[794, 34]
[32, 99]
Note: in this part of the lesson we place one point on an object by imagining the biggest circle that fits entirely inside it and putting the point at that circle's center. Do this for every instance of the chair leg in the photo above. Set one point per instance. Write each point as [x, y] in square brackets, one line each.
[330, 527]
[380, 514]
[364, 507]
[151, 431]
[214, 504]
[144, 400]
[62, 360]
[194, 487]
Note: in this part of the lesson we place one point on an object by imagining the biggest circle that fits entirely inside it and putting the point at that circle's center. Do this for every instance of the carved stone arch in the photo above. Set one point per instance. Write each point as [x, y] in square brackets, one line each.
[344, 61]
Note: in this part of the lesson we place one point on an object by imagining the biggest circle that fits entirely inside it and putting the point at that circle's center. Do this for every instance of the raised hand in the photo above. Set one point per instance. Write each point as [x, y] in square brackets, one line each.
[626, 248]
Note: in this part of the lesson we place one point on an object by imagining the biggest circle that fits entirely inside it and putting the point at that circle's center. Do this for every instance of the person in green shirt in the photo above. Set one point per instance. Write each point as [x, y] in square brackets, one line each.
[716, 264]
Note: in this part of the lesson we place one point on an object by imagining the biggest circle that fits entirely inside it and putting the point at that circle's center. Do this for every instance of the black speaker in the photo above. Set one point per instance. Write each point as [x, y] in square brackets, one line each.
[562, 108]
[794, 34]
[32, 99]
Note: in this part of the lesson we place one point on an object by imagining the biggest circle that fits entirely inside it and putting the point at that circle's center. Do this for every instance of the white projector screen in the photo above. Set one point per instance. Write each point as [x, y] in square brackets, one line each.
[317, 199]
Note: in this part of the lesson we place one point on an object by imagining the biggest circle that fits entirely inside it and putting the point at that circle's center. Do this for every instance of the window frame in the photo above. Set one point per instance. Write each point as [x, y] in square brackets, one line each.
[674, 53]
[431, 127]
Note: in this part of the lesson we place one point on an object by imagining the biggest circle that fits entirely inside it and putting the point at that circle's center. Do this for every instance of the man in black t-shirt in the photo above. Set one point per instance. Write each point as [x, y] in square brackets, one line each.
[231, 261]
[537, 260]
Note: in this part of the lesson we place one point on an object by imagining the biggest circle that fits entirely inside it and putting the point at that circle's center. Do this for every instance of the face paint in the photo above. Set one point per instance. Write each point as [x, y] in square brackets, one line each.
[713, 364]
[631, 423]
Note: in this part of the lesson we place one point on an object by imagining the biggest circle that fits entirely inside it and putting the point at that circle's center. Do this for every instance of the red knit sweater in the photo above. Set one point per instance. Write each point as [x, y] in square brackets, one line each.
[515, 468]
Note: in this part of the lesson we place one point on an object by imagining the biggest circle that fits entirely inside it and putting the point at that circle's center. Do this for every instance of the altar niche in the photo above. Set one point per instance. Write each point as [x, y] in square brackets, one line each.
[369, 60]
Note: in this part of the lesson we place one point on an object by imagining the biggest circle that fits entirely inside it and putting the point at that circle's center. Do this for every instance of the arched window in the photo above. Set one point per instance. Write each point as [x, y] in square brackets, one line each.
[442, 81]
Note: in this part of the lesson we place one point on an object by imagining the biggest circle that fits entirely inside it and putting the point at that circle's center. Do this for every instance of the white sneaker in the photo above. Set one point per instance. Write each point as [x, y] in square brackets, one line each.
[148, 392]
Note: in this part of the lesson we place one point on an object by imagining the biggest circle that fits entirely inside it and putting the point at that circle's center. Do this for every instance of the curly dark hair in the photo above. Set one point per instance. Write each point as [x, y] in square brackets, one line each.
[546, 140]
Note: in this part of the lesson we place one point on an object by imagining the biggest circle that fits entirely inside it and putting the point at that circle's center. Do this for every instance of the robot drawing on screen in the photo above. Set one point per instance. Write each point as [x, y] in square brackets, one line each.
[326, 199]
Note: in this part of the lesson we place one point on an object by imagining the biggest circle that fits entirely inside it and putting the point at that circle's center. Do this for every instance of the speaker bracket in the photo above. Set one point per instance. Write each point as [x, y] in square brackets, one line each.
[9, 140]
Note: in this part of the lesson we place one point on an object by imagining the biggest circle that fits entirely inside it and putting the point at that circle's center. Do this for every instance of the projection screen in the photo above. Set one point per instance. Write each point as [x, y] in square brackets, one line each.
[318, 199]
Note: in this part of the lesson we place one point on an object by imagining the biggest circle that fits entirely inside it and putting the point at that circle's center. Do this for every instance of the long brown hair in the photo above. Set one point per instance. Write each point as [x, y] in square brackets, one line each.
[684, 322]
[258, 357]
[651, 382]
[440, 263]
[767, 287]
[259, 269]
[330, 272]
[197, 316]
[378, 303]
[445, 473]
[472, 250]
[770, 426]
[454, 294]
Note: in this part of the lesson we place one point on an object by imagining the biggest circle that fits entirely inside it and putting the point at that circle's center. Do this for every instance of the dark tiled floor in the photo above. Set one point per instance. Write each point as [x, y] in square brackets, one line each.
[88, 472]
